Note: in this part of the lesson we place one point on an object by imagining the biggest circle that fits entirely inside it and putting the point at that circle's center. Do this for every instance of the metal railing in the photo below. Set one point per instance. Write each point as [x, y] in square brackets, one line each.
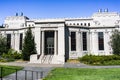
[20, 74]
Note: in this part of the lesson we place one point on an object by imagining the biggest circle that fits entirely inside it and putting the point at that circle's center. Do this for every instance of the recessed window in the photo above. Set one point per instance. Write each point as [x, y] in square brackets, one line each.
[73, 41]
[21, 40]
[8, 41]
[77, 23]
[88, 24]
[70, 23]
[100, 41]
[84, 36]
[84, 24]
[73, 23]
[81, 24]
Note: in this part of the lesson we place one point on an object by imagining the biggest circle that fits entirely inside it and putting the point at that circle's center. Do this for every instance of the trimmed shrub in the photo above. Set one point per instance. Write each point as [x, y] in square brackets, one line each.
[112, 62]
[100, 60]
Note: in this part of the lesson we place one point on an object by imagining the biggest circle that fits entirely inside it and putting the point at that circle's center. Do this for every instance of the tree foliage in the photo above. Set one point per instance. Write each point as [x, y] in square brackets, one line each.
[115, 42]
[29, 47]
[3, 45]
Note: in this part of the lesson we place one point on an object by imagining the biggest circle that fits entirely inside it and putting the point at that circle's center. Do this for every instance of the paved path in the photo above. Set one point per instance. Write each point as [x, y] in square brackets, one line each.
[36, 76]
[81, 65]
[46, 68]
[27, 64]
[66, 65]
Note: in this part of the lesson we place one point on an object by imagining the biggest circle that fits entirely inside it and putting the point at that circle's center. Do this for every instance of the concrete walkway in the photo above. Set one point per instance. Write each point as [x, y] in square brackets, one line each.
[66, 65]
[46, 68]
[81, 65]
[22, 75]
[27, 64]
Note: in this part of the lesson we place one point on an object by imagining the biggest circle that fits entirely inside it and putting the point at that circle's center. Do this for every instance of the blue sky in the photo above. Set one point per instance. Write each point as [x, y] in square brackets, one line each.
[55, 8]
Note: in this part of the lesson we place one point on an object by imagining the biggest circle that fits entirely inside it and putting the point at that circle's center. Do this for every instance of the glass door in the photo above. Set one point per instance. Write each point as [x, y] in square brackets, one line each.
[49, 42]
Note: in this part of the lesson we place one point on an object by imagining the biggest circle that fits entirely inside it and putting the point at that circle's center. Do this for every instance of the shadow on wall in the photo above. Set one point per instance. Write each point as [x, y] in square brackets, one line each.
[66, 44]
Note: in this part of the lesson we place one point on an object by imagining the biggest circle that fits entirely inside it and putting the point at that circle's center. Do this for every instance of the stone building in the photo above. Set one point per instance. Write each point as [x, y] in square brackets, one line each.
[60, 39]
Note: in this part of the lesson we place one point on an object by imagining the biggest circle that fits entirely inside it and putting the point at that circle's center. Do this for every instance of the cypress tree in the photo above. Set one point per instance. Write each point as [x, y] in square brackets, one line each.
[29, 47]
[115, 42]
[3, 45]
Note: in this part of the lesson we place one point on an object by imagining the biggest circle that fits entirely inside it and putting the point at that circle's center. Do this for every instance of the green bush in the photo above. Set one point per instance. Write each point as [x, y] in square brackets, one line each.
[3, 60]
[100, 60]
[12, 55]
[17, 55]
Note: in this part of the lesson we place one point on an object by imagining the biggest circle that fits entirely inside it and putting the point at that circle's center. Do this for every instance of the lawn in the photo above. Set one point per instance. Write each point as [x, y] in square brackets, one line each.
[84, 74]
[6, 70]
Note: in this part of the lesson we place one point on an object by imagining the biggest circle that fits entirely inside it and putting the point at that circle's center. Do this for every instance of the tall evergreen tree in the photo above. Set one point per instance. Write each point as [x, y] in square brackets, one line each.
[29, 47]
[3, 45]
[115, 42]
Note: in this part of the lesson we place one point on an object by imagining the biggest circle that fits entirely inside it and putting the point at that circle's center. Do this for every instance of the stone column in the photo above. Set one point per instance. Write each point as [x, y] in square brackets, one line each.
[43, 36]
[106, 39]
[88, 42]
[61, 45]
[69, 42]
[94, 43]
[13, 40]
[38, 40]
[55, 43]
[17, 41]
[78, 43]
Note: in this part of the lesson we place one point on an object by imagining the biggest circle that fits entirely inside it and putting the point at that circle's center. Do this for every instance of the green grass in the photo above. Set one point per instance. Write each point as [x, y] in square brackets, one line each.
[84, 74]
[6, 70]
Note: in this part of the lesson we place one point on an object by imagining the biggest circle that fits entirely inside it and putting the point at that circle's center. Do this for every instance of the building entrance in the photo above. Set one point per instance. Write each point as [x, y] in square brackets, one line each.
[49, 42]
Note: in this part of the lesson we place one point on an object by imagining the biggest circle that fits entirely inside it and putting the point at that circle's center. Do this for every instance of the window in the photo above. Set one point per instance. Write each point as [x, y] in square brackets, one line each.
[29, 25]
[73, 23]
[21, 38]
[100, 41]
[77, 23]
[88, 24]
[84, 24]
[81, 24]
[84, 36]
[8, 41]
[73, 41]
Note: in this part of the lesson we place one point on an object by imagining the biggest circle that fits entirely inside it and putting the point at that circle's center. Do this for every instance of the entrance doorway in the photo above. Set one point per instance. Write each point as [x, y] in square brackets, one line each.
[49, 42]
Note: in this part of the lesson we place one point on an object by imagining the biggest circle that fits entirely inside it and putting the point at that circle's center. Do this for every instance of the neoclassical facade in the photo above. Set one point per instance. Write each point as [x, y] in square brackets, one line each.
[60, 39]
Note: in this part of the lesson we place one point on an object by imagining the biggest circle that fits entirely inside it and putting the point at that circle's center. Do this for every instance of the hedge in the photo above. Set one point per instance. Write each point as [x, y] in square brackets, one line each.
[100, 60]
